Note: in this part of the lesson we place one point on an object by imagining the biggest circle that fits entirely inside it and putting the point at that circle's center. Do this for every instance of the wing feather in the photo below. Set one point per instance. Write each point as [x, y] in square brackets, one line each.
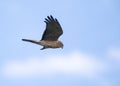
[53, 29]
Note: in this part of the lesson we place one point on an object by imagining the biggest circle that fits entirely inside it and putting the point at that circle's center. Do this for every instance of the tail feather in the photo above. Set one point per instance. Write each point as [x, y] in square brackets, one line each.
[29, 40]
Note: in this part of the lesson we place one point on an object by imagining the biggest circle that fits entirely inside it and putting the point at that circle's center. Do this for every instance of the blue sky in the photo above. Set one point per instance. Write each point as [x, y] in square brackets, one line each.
[91, 54]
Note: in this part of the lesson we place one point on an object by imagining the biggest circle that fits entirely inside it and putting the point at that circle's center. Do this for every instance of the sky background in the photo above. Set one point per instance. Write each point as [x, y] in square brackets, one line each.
[91, 53]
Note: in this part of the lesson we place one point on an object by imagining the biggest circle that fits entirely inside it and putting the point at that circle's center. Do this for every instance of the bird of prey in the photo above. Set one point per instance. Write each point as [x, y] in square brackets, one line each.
[51, 34]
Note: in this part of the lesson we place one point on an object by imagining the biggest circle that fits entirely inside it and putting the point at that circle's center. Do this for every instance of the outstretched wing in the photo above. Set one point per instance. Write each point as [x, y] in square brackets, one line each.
[53, 29]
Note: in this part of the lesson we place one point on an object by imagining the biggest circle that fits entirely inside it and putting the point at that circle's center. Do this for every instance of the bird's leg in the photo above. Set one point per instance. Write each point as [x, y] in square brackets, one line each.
[43, 48]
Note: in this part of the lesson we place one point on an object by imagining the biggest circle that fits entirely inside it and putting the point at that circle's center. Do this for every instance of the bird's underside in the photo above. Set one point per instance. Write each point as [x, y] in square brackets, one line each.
[46, 44]
[51, 34]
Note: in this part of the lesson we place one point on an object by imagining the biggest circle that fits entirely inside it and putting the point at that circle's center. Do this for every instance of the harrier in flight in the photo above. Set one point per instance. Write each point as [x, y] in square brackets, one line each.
[51, 34]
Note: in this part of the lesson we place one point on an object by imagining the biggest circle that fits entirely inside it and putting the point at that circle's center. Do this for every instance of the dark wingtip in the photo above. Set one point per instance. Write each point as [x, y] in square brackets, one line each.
[51, 16]
[56, 20]
[48, 17]
[46, 22]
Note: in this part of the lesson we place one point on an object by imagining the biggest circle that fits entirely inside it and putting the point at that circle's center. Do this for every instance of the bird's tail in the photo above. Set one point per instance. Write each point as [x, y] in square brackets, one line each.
[29, 40]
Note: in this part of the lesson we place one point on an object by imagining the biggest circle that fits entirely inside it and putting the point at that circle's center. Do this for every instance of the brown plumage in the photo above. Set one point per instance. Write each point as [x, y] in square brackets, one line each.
[51, 34]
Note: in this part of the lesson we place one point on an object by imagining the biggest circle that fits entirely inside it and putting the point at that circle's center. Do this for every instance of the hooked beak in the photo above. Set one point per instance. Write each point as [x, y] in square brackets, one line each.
[62, 47]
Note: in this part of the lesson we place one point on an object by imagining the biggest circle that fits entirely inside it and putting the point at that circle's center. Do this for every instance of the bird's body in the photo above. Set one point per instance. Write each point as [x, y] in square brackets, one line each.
[46, 44]
[51, 34]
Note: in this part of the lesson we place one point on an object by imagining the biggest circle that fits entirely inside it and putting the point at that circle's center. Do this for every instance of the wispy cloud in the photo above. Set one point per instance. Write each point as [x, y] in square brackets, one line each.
[75, 63]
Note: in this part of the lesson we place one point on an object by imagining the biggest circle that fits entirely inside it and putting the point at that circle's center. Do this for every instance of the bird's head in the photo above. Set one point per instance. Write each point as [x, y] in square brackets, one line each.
[60, 44]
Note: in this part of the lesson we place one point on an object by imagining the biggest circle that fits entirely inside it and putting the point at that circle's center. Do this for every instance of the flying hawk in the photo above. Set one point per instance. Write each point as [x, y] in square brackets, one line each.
[51, 34]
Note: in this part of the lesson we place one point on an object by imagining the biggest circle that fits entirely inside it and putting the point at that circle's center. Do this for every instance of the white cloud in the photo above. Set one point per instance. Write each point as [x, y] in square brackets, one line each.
[74, 63]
